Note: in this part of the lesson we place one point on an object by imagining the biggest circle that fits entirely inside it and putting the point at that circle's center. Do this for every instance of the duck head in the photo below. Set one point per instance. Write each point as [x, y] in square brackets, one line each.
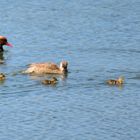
[63, 66]
[3, 41]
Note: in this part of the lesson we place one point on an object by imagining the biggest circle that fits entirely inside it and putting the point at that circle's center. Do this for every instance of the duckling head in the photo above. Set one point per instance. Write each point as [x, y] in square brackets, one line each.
[54, 79]
[120, 80]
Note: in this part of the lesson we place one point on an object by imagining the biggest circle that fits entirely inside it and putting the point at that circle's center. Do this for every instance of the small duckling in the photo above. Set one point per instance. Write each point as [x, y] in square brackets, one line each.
[1, 61]
[53, 81]
[118, 81]
[2, 77]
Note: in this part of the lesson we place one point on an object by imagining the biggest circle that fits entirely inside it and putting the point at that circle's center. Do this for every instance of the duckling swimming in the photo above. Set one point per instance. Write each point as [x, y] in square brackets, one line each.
[118, 81]
[1, 61]
[53, 81]
[2, 77]
[47, 68]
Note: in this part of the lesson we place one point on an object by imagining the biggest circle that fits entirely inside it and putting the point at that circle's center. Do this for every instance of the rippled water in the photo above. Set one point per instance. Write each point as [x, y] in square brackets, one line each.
[100, 40]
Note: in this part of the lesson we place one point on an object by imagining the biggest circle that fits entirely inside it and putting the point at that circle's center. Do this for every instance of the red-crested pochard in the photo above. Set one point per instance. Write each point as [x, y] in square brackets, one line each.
[3, 41]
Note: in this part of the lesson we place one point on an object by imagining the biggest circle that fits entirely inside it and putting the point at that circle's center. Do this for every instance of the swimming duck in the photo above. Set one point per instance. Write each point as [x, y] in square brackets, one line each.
[47, 68]
[2, 77]
[53, 81]
[118, 81]
[3, 41]
[1, 61]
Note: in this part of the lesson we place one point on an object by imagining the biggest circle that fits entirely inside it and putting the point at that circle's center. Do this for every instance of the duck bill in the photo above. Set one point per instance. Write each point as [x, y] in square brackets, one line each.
[8, 44]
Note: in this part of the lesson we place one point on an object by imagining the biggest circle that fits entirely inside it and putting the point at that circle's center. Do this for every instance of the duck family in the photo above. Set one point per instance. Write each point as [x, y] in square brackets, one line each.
[48, 68]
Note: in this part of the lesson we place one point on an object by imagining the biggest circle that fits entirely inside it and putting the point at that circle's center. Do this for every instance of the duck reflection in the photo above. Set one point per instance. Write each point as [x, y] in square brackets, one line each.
[48, 76]
[1, 58]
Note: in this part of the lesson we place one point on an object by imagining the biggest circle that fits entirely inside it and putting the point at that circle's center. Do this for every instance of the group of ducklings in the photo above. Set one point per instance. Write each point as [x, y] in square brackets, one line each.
[53, 80]
[117, 82]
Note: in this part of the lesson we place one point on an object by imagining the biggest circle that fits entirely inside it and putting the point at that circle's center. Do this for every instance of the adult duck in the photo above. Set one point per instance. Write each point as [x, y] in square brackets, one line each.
[3, 41]
[47, 68]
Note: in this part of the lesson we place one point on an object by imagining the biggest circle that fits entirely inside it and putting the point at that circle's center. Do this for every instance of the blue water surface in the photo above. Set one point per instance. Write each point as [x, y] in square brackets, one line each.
[101, 40]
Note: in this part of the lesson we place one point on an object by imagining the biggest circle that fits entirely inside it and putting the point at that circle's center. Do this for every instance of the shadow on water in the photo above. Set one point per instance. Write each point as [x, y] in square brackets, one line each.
[121, 87]
[2, 82]
[48, 76]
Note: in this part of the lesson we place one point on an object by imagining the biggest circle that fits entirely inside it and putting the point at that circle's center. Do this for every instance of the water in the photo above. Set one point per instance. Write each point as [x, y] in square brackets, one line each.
[100, 40]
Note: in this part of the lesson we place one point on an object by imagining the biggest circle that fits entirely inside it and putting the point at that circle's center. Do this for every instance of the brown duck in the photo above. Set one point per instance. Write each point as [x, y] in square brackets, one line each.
[47, 68]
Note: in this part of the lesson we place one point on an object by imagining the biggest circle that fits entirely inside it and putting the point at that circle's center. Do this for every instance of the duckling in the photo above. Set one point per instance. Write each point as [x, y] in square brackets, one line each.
[118, 81]
[1, 61]
[53, 81]
[2, 77]
[47, 68]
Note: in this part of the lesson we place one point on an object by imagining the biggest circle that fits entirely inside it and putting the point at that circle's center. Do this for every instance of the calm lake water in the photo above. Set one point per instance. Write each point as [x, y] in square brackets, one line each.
[101, 40]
